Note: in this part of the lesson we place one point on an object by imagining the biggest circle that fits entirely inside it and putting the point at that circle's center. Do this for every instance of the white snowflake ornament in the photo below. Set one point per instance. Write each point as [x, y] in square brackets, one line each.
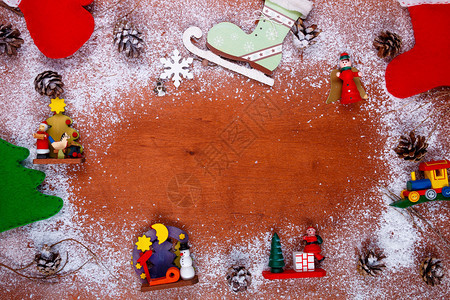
[177, 67]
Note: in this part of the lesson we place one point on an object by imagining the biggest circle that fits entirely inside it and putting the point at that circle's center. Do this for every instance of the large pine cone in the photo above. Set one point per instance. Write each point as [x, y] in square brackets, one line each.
[10, 39]
[304, 36]
[431, 271]
[370, 263]
[388, 44]
[128, 38]
[411, 147]
[47, 262]
[239, 278]
[49, 83]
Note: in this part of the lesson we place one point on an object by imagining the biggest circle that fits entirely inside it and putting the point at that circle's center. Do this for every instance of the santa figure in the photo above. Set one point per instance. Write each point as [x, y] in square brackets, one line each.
[42, 142]
[350, 93]
[312, 243]
[186, 271]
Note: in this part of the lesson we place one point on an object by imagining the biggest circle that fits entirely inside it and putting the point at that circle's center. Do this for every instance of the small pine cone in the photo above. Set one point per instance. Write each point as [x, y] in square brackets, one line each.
[370, 263]
[10, 39]
[49, 83]
[239, 278]
[127, 38]
[431, 271]
[411, 147]
[304, 36]
[388, 44]
[47, 262]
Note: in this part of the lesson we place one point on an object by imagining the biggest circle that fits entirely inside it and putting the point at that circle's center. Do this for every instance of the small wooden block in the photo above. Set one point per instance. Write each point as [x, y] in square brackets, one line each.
[49, 161]
[145, 287]
[290, 273]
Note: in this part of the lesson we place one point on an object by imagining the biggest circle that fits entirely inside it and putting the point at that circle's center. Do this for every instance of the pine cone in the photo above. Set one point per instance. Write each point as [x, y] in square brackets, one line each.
[49, 83]
[10, 39]
[47, 262]
[388, 44]
[370, 263]
[128, 39]
[305, 36]
[239, 278]
[411, 147]
[431, 271]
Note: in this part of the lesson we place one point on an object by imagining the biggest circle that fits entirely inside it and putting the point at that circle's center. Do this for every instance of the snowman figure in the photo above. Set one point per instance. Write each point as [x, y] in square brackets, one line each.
[187, 271]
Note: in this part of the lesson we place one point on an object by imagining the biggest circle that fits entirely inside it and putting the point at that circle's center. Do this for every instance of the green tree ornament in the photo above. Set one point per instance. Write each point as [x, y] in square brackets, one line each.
[20, 202]
[276, 260]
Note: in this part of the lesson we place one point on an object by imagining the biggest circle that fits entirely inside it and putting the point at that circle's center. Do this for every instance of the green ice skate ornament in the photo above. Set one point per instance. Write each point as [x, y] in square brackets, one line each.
[262, 48]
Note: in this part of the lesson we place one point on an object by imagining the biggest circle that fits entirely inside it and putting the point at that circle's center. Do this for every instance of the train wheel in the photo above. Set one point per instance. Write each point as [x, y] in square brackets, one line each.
[414, 196]
[430, 194]
[446, 191]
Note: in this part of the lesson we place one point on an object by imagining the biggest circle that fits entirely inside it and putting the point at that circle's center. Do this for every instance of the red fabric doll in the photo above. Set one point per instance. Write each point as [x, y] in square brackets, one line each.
[312, 243]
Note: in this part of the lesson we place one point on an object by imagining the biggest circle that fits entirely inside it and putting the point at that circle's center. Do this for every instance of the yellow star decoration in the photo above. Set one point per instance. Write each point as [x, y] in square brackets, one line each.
[138, 266]
[143, 276]
[131, 262]
[143, 243]
[182, 236]
[57, 105]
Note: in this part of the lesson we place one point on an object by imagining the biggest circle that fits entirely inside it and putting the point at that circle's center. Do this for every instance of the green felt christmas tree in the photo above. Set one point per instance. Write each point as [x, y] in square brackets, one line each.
[276, 260]
[20, 202]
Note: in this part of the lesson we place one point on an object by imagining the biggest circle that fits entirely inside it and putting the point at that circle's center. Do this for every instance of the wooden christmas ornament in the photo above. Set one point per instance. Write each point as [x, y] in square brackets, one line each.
[154, 259]
[176, 67]
[63, 146]
[435, 185]
[276, 259]
[388, 44]
[239, 278]
[20, 202]
[426, 65]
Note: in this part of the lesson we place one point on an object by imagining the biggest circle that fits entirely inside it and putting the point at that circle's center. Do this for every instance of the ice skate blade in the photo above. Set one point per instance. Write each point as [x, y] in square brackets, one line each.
[210, 56]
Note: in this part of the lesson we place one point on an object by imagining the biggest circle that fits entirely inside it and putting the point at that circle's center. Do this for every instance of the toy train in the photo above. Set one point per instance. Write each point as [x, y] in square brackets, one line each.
[435, 186]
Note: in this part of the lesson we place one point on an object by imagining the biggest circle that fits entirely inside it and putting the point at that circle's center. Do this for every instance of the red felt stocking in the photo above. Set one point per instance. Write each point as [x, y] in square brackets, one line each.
[58, 27]
[427, 65]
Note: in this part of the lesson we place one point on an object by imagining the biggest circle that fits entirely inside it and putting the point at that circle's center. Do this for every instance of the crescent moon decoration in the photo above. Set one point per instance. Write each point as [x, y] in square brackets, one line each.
[162, 233]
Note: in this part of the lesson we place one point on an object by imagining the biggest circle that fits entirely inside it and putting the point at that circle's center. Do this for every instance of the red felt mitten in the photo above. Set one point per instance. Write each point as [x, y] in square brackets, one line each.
[427, 64]
[58, 27]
